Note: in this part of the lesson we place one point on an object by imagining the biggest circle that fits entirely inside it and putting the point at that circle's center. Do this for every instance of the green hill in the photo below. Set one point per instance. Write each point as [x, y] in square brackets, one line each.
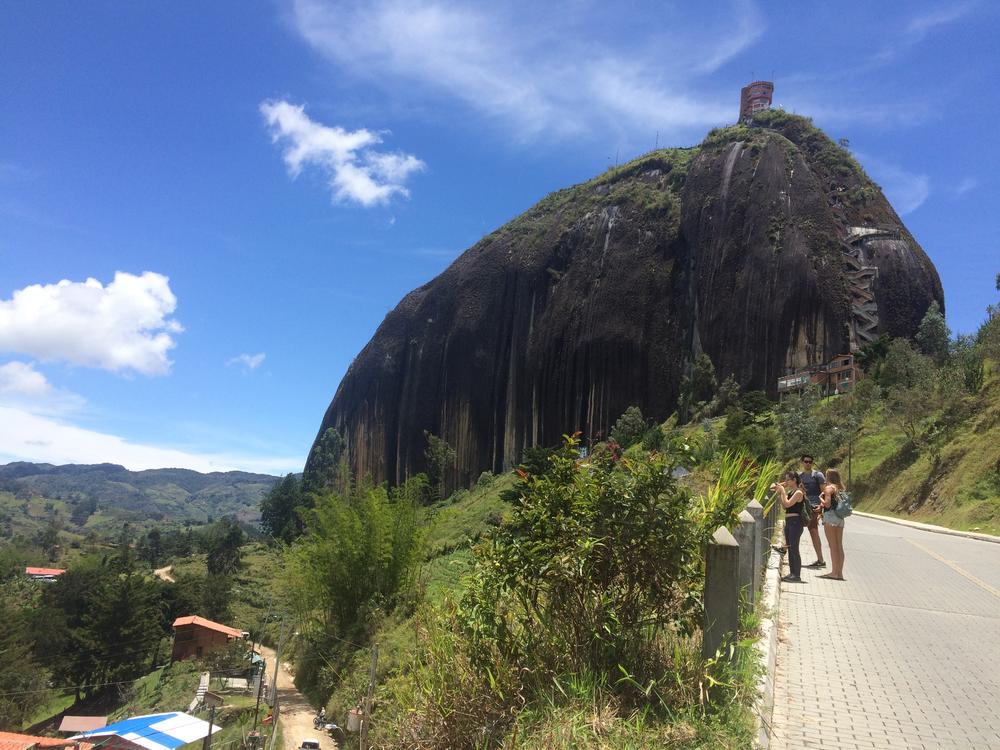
[955, 482]
[99, 498]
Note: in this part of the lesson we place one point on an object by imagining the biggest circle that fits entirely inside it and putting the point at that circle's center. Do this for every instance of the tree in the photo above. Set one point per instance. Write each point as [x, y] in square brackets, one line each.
[62, 640]
[216, 593]
[802, 430]
[123, 622]
[903, 366]
[223, 541]
[742, 433]
[440, 459]
[870, 357]
[629, 428]
[968, 360]
[727, 396]
[698, 385]
[933, 335]
[150, 547]
[48, 539]
[323, 469]
[22, 678]
[280, 516]
[358, 550]
[755, 403]
[988, 336]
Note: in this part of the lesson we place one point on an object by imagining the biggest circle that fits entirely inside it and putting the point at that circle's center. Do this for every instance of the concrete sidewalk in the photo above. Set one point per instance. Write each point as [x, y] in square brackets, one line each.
[903, 654]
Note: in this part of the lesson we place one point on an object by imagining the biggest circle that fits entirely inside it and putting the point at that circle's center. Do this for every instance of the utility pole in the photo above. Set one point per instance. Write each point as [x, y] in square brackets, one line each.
[366, 717]
[260, 689]
[207, 743]
[277, 666]
[263, 666]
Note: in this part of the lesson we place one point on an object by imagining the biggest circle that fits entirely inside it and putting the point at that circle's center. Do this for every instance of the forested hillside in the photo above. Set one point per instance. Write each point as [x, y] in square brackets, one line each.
[95, 500]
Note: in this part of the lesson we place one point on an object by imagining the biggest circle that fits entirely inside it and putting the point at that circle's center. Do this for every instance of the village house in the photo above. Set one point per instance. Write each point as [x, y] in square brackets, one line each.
[195, 636]
[43, 574]
[839, 375]
[12, 741]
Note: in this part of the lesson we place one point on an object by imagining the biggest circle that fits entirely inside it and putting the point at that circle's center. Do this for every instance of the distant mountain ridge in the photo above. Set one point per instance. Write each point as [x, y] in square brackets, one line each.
[102, 495]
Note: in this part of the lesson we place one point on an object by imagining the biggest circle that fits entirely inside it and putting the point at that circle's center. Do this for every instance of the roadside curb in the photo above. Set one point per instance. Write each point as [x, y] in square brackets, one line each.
[930, 527]
[767, 648]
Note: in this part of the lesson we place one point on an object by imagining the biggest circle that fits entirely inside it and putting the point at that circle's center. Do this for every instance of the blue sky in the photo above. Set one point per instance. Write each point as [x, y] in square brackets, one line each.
[206, 209]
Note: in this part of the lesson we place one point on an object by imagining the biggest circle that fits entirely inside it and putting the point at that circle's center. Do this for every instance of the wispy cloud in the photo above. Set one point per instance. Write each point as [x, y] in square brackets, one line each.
[919, 27]
[749, 28]
[247, 361]
[356, 171]
[32, 437]
[966, 185]
[525, 67]
[907, 191]
[125, 325]
[24, 387]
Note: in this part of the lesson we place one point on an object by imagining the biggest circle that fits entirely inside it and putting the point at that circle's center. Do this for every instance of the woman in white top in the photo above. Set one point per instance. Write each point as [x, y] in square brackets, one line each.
[833, 524]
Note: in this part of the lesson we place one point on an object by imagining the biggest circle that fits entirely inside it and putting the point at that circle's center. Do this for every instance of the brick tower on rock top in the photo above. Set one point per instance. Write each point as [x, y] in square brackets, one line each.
[755, 97]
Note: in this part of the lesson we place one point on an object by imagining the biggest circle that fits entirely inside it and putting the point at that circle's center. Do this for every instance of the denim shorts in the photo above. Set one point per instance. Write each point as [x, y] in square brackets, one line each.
[830, 518]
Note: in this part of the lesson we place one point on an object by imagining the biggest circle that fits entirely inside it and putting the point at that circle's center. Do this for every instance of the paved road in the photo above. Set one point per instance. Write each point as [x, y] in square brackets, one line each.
[903, 654]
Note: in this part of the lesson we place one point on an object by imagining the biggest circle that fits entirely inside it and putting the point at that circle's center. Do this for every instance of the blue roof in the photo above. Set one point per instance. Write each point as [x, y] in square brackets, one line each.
[166, 731]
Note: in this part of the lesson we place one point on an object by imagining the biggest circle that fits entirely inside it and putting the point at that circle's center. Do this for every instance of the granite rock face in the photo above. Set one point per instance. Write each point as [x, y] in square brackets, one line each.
[599, 296]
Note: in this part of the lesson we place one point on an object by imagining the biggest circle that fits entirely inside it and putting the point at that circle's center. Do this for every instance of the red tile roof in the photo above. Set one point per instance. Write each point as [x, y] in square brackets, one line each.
[44, 572]
[202, 622]
[12, 741]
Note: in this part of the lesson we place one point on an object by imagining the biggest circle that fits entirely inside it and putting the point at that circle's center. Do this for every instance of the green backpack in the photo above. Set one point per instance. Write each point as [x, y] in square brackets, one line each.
[843, 507]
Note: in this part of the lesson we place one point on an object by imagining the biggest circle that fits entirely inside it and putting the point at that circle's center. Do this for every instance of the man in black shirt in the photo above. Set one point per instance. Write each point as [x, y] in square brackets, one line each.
[812, 484]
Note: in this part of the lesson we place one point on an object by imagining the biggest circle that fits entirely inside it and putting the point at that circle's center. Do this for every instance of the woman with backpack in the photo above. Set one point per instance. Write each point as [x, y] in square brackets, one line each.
[793, 501]
[834, 494]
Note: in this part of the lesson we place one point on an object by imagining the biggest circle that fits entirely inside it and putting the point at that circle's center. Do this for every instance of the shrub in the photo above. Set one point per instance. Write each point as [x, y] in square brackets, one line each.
[596, 576]
[630, 427]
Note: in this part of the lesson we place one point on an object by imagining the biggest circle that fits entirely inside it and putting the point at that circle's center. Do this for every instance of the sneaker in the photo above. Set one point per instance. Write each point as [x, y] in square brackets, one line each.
[792, 579]
[817, 564]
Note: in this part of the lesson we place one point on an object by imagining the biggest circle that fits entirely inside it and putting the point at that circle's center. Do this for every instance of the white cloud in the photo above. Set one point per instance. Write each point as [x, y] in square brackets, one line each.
[526, 67]
[22, 379]
[122, 326]
[248, 361]
[905, 190]
[23, 387]
[356, 171]
[31, 437]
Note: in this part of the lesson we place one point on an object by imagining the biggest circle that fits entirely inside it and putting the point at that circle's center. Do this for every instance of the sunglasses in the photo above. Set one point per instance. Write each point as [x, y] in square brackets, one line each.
[807, 461]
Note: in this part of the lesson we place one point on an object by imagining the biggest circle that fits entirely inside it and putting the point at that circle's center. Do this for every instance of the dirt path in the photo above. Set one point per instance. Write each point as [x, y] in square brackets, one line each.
[295, 711]
[164, 574]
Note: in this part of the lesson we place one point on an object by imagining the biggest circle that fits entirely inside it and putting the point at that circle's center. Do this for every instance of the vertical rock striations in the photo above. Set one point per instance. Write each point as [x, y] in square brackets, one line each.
[745, 247]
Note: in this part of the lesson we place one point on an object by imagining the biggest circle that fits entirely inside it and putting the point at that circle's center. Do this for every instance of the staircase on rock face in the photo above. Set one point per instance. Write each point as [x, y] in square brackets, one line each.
[861, 276]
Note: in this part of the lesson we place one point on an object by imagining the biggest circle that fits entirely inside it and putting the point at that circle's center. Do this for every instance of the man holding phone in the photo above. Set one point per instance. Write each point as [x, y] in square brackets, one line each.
[812, 484]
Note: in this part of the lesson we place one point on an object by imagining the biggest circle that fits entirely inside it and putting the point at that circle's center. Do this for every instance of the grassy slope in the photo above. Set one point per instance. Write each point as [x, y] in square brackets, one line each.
[963, 492]
[453, 526]
[171, 688]
[254, 586]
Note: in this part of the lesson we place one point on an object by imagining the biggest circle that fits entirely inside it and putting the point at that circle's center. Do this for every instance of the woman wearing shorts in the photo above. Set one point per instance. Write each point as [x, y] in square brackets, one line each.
[833, 524]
